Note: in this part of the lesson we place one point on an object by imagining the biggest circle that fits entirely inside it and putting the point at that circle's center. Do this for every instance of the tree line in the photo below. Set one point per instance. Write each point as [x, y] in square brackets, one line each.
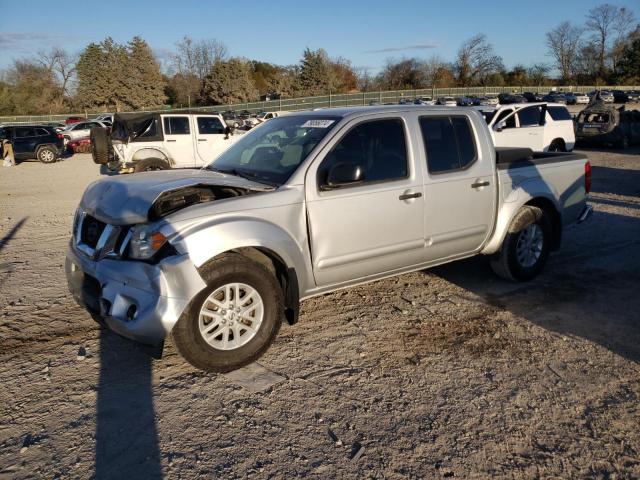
[108, 76]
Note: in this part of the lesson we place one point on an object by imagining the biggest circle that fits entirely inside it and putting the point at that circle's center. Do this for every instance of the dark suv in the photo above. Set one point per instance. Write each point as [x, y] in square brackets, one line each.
[34, 141]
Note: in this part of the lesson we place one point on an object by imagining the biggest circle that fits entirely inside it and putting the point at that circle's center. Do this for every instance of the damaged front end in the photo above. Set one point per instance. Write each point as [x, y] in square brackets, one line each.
[120, 265]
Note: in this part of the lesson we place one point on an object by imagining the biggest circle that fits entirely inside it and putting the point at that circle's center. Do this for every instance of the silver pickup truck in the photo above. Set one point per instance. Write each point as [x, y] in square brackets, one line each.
[306, 204]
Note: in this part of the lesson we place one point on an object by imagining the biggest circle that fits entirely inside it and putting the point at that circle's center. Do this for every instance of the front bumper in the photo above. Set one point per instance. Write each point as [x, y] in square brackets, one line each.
[137, 300]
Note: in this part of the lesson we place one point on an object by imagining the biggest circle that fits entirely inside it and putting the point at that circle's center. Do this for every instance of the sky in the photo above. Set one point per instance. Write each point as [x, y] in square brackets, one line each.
[365, 32]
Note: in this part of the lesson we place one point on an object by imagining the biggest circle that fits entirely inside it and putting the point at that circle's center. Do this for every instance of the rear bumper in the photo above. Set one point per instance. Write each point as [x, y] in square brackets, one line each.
[585, 214]
[137, 300]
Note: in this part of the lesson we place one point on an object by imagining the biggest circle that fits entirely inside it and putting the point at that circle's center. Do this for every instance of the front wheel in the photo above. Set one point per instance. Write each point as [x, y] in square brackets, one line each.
[526, 246]
[233, 321]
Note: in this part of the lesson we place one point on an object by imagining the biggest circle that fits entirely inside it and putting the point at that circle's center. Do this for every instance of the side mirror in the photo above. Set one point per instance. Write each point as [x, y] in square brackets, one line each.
[227, 132]
[498, 127]
[342, 174]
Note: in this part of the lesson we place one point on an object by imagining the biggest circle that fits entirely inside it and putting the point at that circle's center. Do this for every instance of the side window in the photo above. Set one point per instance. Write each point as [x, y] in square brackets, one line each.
[24, 132]
[151, 130]
[559, 113]
[209, 125]
[176, 125]
[41, 132]
[449, 143]
[529, 116]
[510, 122]
[378, 147]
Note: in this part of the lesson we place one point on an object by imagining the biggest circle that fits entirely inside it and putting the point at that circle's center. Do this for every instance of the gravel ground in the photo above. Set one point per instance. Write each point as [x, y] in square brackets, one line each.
[450, 372]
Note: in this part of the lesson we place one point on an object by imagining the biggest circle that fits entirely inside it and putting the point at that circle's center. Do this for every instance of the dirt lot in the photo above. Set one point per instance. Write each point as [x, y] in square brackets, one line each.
[443, 373]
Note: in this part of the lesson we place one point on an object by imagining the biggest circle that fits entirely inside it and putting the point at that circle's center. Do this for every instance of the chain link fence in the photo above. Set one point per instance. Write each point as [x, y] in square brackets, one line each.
[333, 101]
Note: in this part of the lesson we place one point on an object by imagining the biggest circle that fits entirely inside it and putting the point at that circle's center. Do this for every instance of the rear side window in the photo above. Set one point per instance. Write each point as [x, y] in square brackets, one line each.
[559, 113]
[529, 117]
[41, 132]
[24, 132]
[176, 125]
[379, 147]
[448, 142]
[209, 125]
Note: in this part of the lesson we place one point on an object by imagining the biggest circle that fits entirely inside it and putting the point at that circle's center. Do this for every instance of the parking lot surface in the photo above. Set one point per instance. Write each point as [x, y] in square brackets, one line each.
[450, 372]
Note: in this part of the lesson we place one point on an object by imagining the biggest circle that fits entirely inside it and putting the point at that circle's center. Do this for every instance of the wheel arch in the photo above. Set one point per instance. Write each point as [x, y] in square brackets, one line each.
[149, 152]
[257, 240]
[542, 198]
[547, 206]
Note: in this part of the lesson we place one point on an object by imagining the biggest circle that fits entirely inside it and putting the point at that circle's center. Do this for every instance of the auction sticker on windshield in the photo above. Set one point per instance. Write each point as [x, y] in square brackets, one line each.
[317, 124]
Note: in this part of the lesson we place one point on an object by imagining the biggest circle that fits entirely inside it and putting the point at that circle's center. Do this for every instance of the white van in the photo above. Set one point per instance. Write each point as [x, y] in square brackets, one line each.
[542, 127]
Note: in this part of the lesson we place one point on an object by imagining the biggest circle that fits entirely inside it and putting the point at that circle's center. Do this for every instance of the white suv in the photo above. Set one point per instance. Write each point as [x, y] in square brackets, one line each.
[542, 127]
[141, 142]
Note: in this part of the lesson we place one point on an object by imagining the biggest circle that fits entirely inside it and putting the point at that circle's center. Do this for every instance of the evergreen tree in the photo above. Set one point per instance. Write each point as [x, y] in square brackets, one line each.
[144, 80]
[229, 82]
[315, 73]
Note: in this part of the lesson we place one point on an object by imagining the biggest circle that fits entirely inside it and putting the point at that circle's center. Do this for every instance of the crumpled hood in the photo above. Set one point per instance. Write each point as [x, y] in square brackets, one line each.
[126, 199]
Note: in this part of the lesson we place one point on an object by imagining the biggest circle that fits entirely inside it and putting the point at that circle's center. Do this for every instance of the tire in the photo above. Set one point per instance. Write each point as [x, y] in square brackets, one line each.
[151, 165]
[557, 145]
[99, 145]
[210, 355]
[47, 154]
[517, 262]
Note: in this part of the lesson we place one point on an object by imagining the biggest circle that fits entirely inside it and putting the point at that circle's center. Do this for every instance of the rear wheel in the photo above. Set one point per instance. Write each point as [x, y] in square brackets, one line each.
[526, 247]
[233, 321]
[151, 165]
[47, 154]
[557, 146]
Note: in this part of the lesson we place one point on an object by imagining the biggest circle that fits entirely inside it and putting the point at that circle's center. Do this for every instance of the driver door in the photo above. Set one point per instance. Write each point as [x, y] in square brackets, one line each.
[210, 139]
[373, 226]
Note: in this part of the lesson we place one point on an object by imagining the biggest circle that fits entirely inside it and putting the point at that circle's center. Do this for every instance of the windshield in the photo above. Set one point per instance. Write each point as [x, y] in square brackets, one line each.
[272, 152]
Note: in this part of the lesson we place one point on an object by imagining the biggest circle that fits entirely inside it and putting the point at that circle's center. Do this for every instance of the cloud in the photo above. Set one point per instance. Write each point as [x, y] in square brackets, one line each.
[422, 46]
[162, 53]
[26, 41]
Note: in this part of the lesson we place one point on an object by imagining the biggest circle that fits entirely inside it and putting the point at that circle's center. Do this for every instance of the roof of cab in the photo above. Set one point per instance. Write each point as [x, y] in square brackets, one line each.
[355, 111]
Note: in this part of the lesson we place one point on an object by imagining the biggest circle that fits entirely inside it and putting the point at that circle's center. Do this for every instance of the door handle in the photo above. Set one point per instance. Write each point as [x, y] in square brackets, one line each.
[202, 139]
[480, 184]
[408, 196]
[170, 140]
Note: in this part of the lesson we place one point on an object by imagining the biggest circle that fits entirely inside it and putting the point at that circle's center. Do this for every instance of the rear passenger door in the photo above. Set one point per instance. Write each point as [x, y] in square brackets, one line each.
[24, 142]
[210, 139]
[178, 140]
[459, 187]
[373, 226]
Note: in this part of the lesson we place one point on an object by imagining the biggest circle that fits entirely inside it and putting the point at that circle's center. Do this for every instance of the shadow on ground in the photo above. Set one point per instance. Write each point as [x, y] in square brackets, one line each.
[126, 433]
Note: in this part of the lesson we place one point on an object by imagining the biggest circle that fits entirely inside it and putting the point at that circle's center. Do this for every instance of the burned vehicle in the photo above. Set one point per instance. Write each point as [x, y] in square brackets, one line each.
[600, 124]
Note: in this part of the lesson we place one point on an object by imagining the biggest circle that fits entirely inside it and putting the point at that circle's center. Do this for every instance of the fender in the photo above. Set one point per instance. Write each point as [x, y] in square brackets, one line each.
[149, 152]
[205, 241]
[522, 194]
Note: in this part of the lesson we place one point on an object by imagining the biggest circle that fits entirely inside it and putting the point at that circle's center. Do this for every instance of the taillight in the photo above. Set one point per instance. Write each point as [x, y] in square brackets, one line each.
[587, 177]
[60, 136]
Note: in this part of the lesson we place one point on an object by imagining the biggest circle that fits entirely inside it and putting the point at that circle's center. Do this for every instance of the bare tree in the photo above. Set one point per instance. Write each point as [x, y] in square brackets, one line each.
[622, 26]
[600, 21]
[538, 73]
[563, 42]
[198, 57]
[59, 62]
[476, 60]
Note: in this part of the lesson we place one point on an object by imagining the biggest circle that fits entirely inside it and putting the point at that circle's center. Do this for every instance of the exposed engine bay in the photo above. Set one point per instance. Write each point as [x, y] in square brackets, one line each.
[174, 200]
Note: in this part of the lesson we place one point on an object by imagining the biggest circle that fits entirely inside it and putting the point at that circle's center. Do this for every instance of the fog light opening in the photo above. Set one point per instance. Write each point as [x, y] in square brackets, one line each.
[131, 312]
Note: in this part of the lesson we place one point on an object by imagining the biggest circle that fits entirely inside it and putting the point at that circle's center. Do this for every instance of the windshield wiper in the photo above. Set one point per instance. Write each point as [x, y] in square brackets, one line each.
[243, 174]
